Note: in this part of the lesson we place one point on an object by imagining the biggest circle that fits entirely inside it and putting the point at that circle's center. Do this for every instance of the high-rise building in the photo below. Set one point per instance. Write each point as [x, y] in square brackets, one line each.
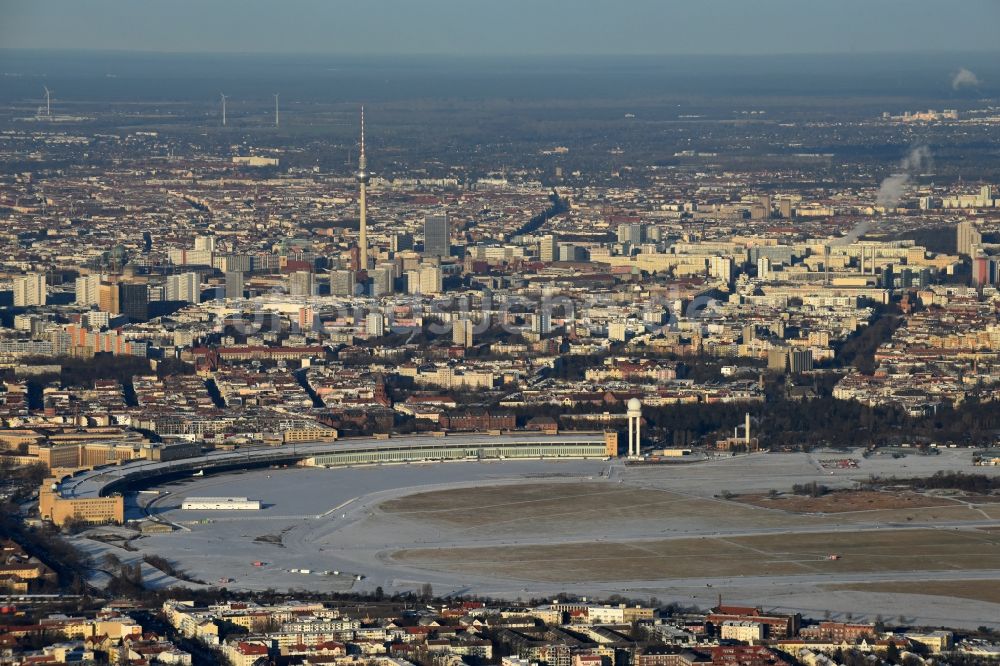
[229, 263]
[571, 252]
[95, 319]
[382, 280]
[29, 290]
[401, 242]
[721, 268]
[134, 300]
[300, 283]
[375, 325]
[234, 284]
[985, 196]
[462, 332]
[800, 360]
[412, 281]
[618, 331]
[437, 236]
[88, 290]
[761, 210]
[109, 298]
[785, 209]
[888, 280]
[353, 259]
[430, 280]
[307, 319]
[32, 324]
[179, 257]
[969, 238]
[777, 359]
[541, 323]
[342, 283]
[184, 287]
[264, 262]
[204, 243]
[981, 271]
[630, 233]
[548, 249]
[764, 268]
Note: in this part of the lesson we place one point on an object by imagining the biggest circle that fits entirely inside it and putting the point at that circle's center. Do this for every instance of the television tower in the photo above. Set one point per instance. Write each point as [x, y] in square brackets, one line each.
[363, 177]
[275, 109]
[222, 95]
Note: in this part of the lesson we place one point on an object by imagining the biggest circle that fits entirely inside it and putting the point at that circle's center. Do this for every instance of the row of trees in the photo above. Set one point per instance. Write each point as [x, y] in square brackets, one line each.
[803, 424]
[84, 372]
[978, 484]
[45, 543]
[825, 421]
[859, 349]
[811, 489]
[558, 207]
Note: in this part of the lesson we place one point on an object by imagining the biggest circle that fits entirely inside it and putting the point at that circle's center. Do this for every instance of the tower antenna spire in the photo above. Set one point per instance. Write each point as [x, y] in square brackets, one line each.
[363, 178]
[362, 162]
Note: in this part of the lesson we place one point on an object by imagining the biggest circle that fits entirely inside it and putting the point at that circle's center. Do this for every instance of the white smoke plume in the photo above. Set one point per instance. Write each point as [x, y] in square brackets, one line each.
[892, 189]
[894, 186]
[964, 77]
[918, 159]
[859, 230]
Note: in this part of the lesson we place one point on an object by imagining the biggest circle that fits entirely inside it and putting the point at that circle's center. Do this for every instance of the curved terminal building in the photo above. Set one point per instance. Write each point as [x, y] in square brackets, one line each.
[94, 495]
[444, 449]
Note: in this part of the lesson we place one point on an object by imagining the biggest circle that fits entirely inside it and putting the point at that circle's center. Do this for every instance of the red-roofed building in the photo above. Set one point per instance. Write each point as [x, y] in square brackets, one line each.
[246, 653]
[588, 660]
[776, 626]
[745, 655]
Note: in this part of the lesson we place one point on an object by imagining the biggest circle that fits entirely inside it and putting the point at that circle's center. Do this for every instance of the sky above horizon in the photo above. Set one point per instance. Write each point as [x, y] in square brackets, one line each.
[503, 27]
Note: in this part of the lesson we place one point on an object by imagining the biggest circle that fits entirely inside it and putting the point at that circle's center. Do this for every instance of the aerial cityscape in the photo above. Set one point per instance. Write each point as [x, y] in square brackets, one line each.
[408, 348]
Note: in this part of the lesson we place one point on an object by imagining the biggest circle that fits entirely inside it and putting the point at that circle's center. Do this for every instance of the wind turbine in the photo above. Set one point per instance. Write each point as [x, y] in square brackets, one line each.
[275, 109]
[223, 96]
[48, 106]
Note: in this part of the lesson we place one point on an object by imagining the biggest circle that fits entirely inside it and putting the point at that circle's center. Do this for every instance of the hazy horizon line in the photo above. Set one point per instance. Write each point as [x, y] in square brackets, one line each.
[500, 55]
